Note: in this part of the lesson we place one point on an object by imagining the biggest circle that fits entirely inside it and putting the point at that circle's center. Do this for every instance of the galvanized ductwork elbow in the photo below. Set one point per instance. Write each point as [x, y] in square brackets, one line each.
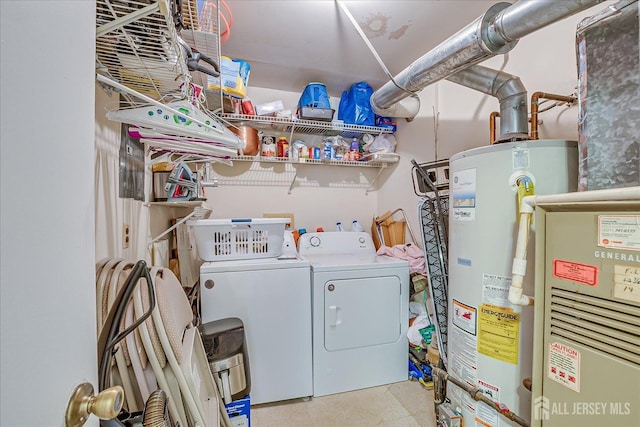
[496, 32]
[510, 92]
[467, 47]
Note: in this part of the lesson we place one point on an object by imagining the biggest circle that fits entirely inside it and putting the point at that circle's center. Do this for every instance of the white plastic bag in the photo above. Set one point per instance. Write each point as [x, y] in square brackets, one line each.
[384, 143]
[416, 338]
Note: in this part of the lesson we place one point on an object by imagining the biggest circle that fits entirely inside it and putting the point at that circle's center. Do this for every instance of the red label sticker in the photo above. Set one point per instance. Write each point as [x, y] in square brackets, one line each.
[575, 272]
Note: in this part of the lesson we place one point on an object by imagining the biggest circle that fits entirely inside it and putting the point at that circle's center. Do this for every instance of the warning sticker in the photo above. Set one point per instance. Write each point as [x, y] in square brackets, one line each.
[462, 398]
[463, 195]
[498, 333]
[464, 317]
[520, 158]
[463, 360]
[564, 365]
[479, 421]
[626, 283]
[495, 290]
[485, 415]
[619, 232]
[575, 272]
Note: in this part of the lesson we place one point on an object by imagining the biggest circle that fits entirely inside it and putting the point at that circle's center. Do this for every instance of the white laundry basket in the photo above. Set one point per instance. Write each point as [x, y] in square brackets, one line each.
[238, 238]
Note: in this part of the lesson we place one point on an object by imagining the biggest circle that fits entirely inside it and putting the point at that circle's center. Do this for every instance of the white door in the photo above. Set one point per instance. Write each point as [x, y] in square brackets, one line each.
[361, 312]
[47, 74]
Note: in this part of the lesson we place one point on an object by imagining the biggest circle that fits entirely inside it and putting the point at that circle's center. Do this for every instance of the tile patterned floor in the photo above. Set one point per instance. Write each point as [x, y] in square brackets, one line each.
[404, 404]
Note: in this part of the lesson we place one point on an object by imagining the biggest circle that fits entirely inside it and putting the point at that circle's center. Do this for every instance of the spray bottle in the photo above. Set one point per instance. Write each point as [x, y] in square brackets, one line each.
[355, 226]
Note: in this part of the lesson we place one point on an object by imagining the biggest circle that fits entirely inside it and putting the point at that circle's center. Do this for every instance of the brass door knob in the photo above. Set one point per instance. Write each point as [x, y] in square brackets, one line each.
[106, 405]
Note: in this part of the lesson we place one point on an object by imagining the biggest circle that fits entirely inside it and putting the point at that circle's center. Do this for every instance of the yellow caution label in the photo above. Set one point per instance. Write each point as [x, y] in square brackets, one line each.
[498, 333]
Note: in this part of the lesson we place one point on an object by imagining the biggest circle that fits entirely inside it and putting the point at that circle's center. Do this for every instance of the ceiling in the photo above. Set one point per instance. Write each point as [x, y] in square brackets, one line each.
[290, 43]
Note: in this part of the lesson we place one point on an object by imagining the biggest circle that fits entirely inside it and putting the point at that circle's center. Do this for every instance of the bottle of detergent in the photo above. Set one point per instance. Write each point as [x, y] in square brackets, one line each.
[355, 226]
[339, 226]
[354, 151]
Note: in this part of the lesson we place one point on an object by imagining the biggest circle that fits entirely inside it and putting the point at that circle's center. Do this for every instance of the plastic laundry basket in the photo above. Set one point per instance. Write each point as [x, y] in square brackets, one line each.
[239, 238]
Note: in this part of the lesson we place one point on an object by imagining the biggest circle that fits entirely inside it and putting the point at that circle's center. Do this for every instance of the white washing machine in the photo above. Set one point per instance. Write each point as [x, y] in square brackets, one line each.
[272, 297]
[360, 312]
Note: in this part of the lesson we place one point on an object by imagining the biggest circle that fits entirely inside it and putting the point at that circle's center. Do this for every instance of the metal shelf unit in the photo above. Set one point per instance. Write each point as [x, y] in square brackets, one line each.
[431, 181]
[309, 127]
[273, 171]
[137, 45]
[309, 161]
[184, 204]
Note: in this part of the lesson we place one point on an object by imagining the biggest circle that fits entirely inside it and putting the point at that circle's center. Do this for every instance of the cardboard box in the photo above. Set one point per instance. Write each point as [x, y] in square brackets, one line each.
[239, 412]
[396, 233]
[389, 232]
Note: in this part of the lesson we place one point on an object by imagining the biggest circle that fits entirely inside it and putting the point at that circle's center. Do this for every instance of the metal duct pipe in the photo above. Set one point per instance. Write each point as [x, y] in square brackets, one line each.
[496, 32]
[525, 17]
[510, 92]
[408, 107]
[459, 51]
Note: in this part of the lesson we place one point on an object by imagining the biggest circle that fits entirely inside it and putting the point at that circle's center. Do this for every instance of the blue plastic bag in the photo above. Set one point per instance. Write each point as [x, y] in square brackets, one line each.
[355, 107]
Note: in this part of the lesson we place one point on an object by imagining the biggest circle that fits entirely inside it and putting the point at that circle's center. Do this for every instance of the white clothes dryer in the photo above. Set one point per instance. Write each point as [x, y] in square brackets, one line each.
[360, 312]
[272, 297]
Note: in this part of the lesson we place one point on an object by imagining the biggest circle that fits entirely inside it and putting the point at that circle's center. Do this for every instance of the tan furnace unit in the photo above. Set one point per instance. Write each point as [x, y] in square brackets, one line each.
[586, 366]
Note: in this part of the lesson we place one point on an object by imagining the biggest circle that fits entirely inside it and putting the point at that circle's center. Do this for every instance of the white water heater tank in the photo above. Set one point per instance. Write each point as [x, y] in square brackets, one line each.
[491, 340]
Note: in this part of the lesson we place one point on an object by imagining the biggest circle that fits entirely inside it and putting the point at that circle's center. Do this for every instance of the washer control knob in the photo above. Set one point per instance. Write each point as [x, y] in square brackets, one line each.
[209, 284]
[315, 241]
[331, 287]
[361, 240]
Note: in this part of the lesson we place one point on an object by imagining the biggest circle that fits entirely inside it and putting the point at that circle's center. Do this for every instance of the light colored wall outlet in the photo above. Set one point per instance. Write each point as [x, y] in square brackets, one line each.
[126, 236]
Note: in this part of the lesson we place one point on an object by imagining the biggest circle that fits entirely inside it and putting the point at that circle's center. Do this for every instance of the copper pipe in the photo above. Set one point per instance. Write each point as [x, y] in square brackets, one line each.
[534, 107]
[492, 126]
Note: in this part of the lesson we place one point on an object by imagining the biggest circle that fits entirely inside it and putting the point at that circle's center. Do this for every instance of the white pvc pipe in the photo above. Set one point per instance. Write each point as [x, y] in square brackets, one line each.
[527, 206]
[519, 267]
[614, 194]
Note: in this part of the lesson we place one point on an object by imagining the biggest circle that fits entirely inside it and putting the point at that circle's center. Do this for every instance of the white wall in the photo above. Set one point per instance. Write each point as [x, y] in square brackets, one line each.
[48, 338]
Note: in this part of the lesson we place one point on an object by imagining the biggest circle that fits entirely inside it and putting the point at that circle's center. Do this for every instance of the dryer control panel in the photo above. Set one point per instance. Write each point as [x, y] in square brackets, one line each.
[336, 242]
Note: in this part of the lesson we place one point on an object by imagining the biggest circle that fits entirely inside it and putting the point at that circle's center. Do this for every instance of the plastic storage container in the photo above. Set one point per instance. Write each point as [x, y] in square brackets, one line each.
[238, 238]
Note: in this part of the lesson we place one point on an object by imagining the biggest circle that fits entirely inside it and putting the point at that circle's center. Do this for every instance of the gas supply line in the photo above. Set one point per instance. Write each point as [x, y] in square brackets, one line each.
[477, 395]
